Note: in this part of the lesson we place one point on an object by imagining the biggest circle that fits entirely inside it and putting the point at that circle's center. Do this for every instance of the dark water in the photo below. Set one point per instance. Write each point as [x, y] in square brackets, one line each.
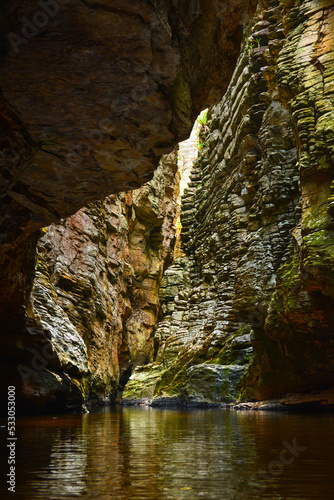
[144, 453]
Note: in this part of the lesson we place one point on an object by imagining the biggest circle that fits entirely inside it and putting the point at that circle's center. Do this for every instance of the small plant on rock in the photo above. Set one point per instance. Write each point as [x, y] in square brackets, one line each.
[202, 118]
[248, 45]
[258, 41]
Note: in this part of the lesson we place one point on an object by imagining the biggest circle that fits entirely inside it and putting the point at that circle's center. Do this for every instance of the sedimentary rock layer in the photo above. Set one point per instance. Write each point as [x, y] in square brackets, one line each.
[95, 299]
[258, 227]
[296, 350]
[94, 92]
[237, 216]
[254, 272]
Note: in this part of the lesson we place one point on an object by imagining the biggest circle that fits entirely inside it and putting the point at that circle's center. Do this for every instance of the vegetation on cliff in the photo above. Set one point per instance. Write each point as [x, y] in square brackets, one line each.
[244, 307]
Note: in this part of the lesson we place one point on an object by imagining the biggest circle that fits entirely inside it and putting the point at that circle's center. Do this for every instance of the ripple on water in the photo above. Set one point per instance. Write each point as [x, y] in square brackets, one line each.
[145, 453]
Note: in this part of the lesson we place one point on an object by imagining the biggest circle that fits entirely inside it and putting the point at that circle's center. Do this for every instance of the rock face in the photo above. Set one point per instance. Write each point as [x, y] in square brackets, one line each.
[257, 228]
[95, 295]
[237, 215]
[94, 92]
[246, 309]
[296, 350]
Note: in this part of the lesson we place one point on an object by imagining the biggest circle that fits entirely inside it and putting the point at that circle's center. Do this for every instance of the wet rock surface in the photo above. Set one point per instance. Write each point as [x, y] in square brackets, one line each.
[93, 93]
[311, 401]
[95, 298]
[257, 224]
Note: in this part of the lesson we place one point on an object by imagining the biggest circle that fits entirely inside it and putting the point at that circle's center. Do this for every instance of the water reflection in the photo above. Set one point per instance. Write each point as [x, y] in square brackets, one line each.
[145, 453]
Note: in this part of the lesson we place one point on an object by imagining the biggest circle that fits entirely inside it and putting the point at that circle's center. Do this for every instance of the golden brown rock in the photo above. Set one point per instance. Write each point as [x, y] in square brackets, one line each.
[102, 89]
[96, 92]
[95, 295]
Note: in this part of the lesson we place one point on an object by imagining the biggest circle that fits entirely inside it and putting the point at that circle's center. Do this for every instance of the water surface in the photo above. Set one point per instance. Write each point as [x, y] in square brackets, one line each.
[143, 453]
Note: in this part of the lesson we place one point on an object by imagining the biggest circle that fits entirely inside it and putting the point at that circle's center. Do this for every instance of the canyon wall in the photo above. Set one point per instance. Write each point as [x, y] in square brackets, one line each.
[93, 93]
[255, 282]
[245, 309]
[94, 302]
[296, 350]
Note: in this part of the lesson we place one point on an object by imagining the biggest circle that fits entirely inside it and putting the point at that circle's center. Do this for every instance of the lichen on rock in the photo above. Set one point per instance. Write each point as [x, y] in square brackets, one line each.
[95, 294]
[244, 309]
[237, 216]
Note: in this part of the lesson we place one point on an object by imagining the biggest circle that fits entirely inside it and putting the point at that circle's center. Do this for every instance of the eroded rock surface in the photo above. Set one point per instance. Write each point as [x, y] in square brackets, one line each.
[95, 298]
[258, 227]
[94, 94]
[253, 277]
[296, 351]
[237, 216]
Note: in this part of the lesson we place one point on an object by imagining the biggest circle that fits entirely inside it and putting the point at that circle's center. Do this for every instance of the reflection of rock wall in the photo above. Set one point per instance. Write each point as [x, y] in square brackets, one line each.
[142, 453]
[96, 287]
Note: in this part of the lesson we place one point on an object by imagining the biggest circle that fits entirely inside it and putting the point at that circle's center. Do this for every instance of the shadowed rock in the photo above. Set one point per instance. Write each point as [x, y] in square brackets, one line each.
[94, 92]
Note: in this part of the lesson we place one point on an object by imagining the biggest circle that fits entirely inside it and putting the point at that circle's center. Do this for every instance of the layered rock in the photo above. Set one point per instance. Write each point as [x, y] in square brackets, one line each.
[258, 229]
[254, 271]
[237, 216]
[94, 93]
[296, 350]
[95, 299]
